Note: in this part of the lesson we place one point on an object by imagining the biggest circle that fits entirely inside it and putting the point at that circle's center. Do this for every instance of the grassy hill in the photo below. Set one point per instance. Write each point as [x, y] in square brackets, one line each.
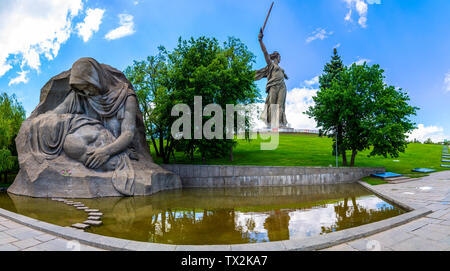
[311, 150]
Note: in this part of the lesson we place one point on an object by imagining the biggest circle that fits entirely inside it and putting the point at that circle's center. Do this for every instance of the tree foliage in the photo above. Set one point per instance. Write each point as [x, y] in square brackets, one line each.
[334, 129]
[12, 114]
[370, 113]
[150, 82]
[220, 74]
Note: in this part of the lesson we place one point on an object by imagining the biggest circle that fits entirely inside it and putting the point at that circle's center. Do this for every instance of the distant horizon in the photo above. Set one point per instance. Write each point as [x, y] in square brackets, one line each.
[409, 39]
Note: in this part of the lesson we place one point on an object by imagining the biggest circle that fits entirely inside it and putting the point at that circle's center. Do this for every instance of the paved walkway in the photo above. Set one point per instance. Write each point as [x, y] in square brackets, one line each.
[429, 233]
[15, 236]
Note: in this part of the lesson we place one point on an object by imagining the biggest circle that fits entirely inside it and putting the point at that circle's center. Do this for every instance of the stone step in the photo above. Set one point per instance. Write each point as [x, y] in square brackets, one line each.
[82, 208]
[95, 214]
[404, 181]
[93, 222]
[92, 210]
[94, 218]
[397, 179]
[80, 226]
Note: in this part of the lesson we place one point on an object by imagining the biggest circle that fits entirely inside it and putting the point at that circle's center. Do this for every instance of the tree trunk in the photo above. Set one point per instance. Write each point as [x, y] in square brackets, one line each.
[341, 146]
[355, 206]
[158, 154]
[168, 151]
[161, 144]
[344, 158]
[352, 162]
[231, 153]
[174, 158]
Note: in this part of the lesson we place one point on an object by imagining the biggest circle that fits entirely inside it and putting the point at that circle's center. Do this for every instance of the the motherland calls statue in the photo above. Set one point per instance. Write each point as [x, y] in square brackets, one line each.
[275, 88]
[86, 139]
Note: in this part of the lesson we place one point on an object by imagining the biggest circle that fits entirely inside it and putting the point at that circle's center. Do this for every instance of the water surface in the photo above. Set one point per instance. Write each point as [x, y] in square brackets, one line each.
[220, 215]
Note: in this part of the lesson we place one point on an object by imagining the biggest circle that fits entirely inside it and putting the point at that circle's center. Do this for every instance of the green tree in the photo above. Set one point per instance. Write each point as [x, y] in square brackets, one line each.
[150, 81]
[12, 115]
[220, 74]
[372, 114]
[428, 141]
[330, 73]
[330, 115]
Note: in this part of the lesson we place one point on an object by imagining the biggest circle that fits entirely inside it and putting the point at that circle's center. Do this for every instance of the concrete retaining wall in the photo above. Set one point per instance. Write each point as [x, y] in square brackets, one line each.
[237, 176]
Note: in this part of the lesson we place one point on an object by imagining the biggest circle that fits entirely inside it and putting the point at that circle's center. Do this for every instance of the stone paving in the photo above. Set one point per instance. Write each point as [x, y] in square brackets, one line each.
[15, 236]
[428, 233]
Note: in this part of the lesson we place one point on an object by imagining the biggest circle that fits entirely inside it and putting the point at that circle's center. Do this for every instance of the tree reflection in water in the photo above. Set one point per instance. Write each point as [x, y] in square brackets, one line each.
[198, 227]
[349, 216]
[277, 225]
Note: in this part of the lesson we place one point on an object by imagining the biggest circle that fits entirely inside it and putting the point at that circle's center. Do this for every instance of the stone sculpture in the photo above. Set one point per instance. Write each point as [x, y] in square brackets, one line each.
[86, 139]
[275, 88]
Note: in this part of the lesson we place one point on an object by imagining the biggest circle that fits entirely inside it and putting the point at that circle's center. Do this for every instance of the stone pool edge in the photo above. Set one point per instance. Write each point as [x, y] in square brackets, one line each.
[310, 243]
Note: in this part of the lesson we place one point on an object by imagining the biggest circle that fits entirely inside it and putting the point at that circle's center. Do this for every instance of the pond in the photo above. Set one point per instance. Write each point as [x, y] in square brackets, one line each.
[200, 216]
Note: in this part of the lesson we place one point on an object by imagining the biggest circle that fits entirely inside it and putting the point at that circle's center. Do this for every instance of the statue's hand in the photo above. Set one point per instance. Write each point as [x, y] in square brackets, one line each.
[97, 158]
[261, 35]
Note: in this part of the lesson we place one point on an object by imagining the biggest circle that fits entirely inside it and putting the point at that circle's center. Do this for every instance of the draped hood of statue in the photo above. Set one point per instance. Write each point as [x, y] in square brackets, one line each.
[86, 139]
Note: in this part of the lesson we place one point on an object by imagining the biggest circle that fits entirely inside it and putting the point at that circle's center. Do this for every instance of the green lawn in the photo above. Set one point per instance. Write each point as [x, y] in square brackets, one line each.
[311, 150]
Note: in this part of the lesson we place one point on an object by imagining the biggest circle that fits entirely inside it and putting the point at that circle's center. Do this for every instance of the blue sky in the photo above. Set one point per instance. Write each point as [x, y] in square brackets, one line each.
[410, 39]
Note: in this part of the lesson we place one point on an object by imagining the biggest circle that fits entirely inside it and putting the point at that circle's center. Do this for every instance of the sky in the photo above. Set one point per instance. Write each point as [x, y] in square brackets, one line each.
[409, 39]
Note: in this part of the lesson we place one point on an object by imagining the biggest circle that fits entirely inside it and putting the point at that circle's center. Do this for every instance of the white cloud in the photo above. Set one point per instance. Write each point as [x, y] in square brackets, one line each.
[22, 78]
[4, 66]
[361, 7]
[126, 28]
[34, 28]
[337, 45]
[91, 23]
[312, 82]
[298, 100]
[319, 33]
[361, 61]
[423, 132]
[447, 82]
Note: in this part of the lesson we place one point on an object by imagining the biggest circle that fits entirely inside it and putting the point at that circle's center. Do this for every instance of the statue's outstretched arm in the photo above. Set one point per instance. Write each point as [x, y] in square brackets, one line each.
[101, 155]
[263, 47]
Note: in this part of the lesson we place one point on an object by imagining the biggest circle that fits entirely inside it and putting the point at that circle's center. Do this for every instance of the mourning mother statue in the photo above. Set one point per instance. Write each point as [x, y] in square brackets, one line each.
[86, 139]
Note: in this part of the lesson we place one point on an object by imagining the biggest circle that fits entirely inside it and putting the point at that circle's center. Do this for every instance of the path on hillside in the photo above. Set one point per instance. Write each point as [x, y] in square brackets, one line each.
[429, 233]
